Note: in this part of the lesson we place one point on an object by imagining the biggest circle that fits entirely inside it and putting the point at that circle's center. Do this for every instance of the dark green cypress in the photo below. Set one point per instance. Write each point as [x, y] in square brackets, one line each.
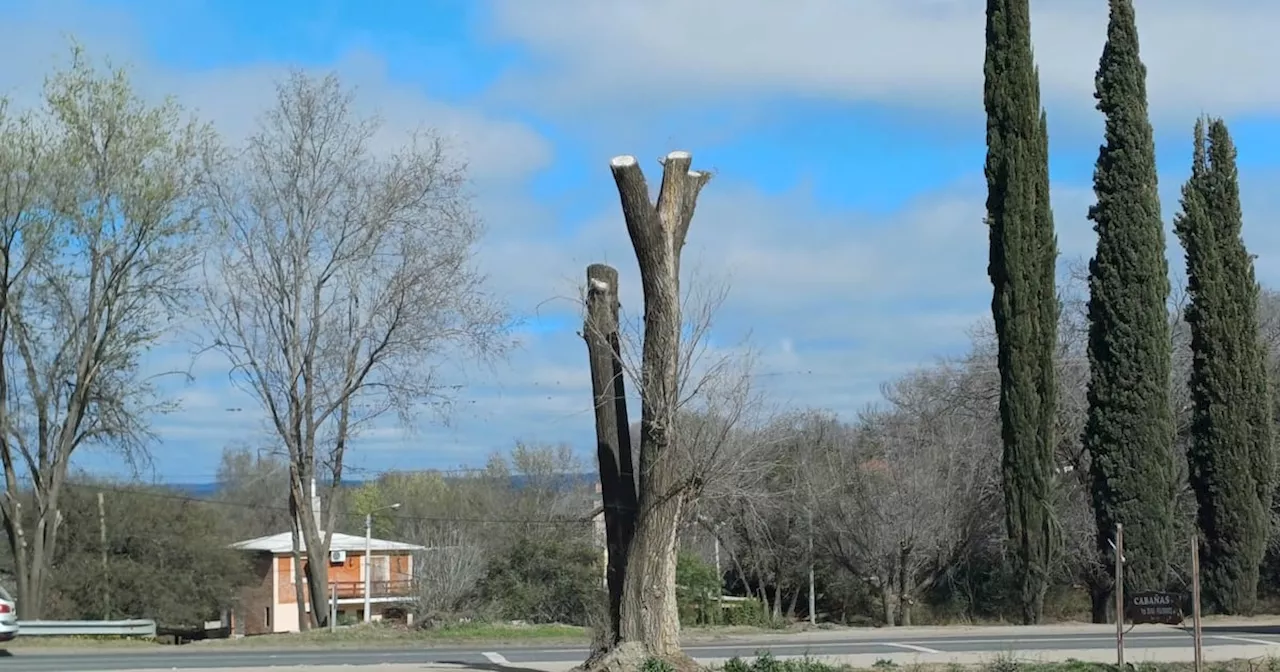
[1024, 305]
[1230, 461]
[1129, 429]
[1243, 282]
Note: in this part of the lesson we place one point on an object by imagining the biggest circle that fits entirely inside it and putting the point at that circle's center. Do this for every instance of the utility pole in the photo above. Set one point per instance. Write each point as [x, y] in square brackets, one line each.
[715, 541]
[1197, 633]
[1119, 549]
[333, 607]
[813, 608]
[364, 564]
[368, 558]
[102, 541]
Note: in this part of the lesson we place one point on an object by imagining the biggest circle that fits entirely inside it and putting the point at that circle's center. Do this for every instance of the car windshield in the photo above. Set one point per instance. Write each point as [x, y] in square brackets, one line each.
[4, 594]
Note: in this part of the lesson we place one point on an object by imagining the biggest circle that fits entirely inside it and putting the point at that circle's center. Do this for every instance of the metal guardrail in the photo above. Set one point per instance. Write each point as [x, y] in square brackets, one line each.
[130, 628]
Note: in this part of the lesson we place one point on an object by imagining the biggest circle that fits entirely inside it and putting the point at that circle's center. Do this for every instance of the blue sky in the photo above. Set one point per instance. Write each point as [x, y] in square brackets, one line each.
[846, 214]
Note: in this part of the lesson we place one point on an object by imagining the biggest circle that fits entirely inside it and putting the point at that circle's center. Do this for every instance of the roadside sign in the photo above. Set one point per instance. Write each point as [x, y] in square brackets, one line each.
[1154, 607]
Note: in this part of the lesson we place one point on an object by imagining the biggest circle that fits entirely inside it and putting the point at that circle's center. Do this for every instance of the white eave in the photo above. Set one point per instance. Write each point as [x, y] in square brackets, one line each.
[282, 544]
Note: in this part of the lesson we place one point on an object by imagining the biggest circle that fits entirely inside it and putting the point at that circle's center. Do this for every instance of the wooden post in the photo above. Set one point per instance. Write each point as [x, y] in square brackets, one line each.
[1119, 590]
[813, 603]
[106, 567]
[1195, 602]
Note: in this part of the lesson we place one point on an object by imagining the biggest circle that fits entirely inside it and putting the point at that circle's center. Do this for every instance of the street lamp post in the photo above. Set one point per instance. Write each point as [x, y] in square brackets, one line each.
[714, 528]
[368, 556]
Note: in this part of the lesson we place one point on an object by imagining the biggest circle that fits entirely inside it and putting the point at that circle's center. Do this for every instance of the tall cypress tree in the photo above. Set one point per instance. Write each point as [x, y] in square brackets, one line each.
[1129, 428]
[1230, 456]
[1238, 264]
[1024, 303]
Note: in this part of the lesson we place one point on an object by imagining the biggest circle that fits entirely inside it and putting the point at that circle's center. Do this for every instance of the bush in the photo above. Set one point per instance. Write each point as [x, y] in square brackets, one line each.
[697, 591]
[765, 662]
[543, 580]
[748, 612]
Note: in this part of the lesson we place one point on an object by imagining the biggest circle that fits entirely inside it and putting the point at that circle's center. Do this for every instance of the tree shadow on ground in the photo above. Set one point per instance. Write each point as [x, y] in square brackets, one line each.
[1242, 629]
[488, 667]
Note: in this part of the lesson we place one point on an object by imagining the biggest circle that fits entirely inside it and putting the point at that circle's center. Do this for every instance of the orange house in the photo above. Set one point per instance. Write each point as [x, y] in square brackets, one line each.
[269, 604]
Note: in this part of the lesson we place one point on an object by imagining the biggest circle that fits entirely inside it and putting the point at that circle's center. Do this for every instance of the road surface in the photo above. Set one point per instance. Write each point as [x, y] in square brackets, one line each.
[971, 645]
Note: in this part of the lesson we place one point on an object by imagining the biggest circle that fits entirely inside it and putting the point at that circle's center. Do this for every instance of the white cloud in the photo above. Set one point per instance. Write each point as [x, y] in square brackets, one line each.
[836, 303]
[500, 153]
[232, 97]
[837, 300]
[1200, 54]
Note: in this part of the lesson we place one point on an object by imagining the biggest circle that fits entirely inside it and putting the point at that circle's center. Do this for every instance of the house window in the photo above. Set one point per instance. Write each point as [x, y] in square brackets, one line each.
[380, 568]
[266, 616]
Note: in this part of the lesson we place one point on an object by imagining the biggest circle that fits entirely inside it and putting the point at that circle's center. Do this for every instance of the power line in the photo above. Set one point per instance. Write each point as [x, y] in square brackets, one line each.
[371, 472]
[174, 496]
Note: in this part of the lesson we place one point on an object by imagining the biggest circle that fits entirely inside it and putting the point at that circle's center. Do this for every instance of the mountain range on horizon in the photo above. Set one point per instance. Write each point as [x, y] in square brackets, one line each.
[210, 488]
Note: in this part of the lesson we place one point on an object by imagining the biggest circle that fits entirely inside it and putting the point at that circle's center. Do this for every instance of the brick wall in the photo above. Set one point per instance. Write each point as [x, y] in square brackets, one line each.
[255, 598]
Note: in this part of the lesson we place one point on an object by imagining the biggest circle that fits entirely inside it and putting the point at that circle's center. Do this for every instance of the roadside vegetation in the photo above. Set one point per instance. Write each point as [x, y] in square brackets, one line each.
[986, 487]
[768, 663]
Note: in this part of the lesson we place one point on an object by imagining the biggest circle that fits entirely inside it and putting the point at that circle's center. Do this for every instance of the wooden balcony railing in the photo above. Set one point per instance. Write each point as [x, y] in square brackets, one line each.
[350, 589]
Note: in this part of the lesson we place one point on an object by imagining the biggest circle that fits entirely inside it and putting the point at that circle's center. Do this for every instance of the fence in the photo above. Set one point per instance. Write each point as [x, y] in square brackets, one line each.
[385, 588]
[130, 628]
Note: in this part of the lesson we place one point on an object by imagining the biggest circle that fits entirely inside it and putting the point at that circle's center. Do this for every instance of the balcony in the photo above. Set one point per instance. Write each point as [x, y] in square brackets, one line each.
[377, 589]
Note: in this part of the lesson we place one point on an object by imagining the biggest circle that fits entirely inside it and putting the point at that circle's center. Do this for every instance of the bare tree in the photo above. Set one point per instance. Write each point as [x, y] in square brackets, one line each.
[910, 486]
[345, 280]
[772, 515]
[256, 482]
[716, 401]
[447, 572]
[99, 233]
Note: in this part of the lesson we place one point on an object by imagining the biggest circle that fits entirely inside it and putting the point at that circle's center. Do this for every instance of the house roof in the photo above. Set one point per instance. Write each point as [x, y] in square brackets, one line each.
[282, 543]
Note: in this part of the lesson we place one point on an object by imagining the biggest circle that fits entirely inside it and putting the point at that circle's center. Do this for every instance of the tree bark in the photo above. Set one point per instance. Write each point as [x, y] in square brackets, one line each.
[317, 554]
[31, 548]
[613, 436]
[1100, 603]
[886, 598]
[649, 615]
[299, 592]
[904, 587]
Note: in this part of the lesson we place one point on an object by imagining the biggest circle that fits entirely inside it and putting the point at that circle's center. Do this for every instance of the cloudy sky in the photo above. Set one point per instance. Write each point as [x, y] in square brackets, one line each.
[846, 136]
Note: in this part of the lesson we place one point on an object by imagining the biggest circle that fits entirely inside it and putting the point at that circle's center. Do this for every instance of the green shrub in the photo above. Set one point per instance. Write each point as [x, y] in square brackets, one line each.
[543, 580]
[697, 591]
[766, 662]
[748, 612]
[656, 665]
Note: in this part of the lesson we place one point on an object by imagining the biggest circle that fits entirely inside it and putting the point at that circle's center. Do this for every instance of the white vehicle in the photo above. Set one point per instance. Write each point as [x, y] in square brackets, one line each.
[8, 616]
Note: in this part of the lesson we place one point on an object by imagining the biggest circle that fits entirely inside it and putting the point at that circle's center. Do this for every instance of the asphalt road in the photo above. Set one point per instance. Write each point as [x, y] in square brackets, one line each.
[492, 657]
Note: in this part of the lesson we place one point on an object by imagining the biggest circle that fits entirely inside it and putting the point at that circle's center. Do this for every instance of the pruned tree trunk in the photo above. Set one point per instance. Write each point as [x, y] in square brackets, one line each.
[649, 625]
[613, 437]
